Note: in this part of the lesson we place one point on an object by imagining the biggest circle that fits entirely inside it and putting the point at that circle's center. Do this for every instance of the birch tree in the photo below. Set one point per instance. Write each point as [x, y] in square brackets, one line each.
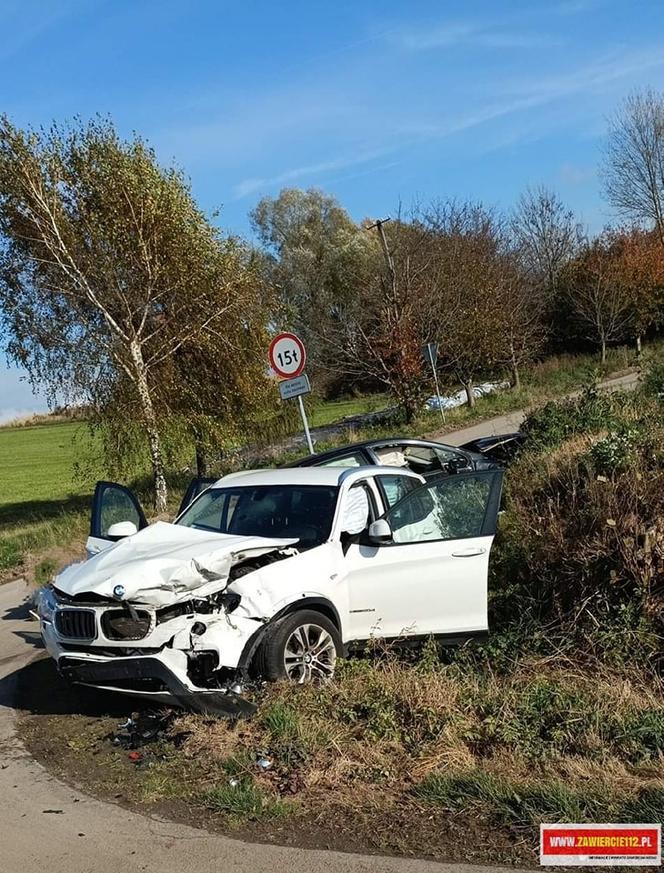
[107, 267]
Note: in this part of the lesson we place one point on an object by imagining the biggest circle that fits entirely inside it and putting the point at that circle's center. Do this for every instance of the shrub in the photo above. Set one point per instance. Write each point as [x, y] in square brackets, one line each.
[581, 547]
[558, 420]
[653, 383]
[615, 451]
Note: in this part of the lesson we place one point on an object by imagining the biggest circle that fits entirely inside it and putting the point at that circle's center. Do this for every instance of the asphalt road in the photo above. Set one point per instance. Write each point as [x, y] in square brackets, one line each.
[513, 420]
[83, 835]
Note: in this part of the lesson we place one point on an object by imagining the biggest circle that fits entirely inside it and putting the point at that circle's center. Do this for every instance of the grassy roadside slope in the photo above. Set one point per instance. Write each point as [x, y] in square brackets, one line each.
[451, 754]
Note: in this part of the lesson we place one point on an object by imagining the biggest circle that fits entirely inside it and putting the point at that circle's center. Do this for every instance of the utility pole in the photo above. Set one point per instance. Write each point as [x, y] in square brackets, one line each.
[378, 224]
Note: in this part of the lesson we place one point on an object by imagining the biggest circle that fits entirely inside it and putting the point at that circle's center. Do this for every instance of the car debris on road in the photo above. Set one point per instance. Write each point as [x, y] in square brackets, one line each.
[142, 728]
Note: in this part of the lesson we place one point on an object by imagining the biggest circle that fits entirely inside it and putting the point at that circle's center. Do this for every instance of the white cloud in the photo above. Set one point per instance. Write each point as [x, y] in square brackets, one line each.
[466, 33]
[515, 97]
[521, 95]
[590, 77]
[570, 174]
[251, 186]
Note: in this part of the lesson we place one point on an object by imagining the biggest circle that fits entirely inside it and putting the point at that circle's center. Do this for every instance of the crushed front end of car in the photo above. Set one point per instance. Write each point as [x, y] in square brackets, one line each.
[156, 616]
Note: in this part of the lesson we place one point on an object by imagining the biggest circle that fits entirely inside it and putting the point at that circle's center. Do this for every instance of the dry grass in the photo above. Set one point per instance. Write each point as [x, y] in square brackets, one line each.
[388, 733]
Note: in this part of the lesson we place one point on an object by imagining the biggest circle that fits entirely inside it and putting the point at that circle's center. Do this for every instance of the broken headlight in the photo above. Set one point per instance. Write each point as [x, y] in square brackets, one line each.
[46, 603]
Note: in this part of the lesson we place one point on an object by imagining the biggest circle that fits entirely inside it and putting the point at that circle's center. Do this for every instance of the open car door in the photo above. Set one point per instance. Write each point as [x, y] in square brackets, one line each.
[195, 487]
[425, 569]
[115, 509]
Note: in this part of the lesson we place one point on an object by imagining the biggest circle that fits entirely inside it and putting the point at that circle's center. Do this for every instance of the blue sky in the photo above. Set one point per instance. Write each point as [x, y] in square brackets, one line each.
[376, 102]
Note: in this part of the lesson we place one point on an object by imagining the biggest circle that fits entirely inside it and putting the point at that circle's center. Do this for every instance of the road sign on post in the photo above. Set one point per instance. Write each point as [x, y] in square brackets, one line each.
[288, 356]
[431, 353]
[290, 388]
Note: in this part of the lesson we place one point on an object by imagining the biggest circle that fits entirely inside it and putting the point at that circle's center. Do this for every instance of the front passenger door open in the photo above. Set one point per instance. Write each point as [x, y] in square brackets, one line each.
[112, 504]
[431, 576]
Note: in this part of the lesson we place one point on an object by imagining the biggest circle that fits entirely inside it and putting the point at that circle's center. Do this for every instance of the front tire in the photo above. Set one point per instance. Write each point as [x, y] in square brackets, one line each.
[302, 647]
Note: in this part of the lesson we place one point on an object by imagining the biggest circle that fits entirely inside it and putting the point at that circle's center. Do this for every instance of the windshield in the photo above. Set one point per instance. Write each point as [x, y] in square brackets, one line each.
[302, 512]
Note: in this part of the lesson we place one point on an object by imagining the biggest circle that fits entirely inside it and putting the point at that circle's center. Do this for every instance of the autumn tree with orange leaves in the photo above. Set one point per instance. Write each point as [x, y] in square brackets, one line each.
[640, 270]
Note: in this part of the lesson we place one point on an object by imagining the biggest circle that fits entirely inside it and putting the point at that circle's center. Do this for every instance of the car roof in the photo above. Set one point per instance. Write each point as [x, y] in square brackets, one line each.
[370, 444]
[307, 475]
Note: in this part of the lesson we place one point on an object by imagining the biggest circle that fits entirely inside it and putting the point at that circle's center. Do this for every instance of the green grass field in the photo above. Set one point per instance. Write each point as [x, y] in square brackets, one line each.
[37, 463]
[327, 412]
[43, 499]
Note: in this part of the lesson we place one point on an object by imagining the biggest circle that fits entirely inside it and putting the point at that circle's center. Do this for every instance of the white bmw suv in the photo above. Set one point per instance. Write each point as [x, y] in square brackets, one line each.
[274, 573]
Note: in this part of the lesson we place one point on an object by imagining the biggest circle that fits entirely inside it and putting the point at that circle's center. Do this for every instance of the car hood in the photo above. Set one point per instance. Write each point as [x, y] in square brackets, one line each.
[164, 564]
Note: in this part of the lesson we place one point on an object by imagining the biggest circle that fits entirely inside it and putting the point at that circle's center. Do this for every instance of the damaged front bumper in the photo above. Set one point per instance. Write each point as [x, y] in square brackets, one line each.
[195, 660]
[125, 674]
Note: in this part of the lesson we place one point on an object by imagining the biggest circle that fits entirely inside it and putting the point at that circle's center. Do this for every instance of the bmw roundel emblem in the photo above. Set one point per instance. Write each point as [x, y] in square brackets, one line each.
[119, 591]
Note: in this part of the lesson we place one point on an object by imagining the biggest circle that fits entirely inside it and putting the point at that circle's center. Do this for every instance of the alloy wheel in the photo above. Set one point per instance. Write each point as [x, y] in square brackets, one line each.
[309, 654]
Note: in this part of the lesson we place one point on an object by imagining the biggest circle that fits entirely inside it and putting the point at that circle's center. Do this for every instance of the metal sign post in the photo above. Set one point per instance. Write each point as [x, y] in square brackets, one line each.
[306, 424]
[431, 354]
[287, 358]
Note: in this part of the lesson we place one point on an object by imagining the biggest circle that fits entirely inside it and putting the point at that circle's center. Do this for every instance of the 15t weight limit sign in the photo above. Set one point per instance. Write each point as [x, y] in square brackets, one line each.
[287, 355]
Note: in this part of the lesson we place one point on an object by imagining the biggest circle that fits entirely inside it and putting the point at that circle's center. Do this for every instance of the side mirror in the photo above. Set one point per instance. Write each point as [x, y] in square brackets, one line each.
[380, 531]
[458, 463]
[122, 529]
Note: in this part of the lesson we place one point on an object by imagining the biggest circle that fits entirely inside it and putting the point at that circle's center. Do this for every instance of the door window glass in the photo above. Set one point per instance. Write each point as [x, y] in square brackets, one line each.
[446, 455]
[450, 509]
[209, 510]
[195, 487]
[117, 505]
[395, 488]
[429, 460]
[424, 460]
